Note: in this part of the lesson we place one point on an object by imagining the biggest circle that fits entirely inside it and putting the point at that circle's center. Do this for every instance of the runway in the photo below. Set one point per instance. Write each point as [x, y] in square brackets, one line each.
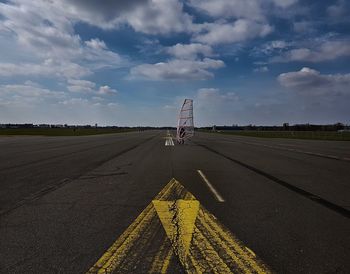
[65, 201]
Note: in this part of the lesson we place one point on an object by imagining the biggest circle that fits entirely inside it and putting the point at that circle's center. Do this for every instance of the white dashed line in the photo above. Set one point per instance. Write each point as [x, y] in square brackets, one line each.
[212, 189]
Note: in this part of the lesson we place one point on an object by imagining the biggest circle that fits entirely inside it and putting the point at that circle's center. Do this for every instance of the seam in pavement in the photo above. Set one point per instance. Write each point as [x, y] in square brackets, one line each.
[315, 198]
[37, 195]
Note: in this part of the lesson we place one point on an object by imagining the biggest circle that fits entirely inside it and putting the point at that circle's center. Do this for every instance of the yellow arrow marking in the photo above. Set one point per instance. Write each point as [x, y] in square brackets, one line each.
[174, 228]
[178, 219]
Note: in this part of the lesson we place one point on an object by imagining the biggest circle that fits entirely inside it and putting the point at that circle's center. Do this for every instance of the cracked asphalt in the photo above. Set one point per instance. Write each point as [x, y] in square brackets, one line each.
[65, 200]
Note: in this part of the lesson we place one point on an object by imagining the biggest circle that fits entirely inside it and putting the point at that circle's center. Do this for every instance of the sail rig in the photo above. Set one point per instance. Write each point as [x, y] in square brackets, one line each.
[185, 126]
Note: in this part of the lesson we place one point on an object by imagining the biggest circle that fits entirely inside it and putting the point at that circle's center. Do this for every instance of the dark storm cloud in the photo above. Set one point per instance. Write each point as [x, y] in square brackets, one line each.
[108, 9]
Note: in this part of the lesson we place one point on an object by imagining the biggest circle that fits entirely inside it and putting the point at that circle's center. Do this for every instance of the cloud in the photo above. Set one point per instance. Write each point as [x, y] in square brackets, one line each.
[107, 90]
[97, 55]
[146, 16]
[308, 81]
[49, 68]
[284, 3]
[325, 51]
[190, 51]
[28, 94]
[261, 69]
[229, 8]
[75, 101]
[95, 11]
[272, 46]
[304, 27]
[30, 102]
[151, 17]
[239, 8]
[240, 30]
[84, 86]
[160, 17]
[96, 44]
[177, 70]
[339, 12]
[213, 94]
[48, 34]
[81, 86]
[213, 106]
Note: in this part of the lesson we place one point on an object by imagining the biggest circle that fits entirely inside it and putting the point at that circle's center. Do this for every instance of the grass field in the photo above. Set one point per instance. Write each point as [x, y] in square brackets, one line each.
[62, 131]
[311, 135]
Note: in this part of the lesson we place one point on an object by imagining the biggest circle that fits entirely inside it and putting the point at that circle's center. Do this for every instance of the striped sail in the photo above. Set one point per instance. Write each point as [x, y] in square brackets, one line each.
[185, 127]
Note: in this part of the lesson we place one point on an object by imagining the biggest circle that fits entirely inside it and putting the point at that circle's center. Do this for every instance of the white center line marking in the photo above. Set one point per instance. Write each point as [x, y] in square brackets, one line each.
[212, 189]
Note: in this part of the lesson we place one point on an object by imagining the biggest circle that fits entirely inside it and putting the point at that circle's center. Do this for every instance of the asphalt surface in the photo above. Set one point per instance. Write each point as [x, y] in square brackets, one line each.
[65, 200]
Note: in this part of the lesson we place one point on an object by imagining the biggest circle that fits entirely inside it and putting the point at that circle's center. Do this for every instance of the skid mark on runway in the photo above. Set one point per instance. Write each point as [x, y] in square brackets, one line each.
[52, 187]
[313, 197]
[37, 195]
[72, 153]
[322, 155]
[175, 233]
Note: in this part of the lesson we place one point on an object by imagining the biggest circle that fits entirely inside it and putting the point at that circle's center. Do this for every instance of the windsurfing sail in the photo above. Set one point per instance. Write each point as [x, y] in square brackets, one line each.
[185, 127]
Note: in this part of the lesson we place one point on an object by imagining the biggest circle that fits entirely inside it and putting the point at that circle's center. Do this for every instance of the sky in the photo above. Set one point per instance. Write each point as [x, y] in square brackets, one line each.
[132, 63]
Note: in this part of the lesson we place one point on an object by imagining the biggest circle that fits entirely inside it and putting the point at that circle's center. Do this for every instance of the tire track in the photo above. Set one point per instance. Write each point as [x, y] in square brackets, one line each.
[313, 197]
[52, 187]
[59, 156]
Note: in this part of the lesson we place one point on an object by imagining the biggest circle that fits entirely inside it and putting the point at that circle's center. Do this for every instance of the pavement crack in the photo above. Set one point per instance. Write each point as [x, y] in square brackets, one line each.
[175, 221]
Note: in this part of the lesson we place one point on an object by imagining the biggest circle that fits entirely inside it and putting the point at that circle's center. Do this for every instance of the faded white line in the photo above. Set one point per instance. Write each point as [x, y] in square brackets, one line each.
[212, 189]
